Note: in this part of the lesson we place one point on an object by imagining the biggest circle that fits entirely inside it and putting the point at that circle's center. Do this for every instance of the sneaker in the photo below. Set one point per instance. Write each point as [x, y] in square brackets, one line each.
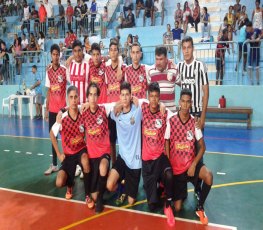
[200, 212]
[170, 216]
[51, 169]
[35, 117]
[81, 176]
[78, 170]
[89, 202]
[121, 199]
[99, 206]
[69, 194]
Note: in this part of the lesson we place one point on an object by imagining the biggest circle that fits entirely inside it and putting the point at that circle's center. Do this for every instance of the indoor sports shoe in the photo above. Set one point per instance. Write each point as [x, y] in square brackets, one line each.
[200, 212]
[78, 170]
[81, 176]
[99, 206]
[121, 199]
[170, 216]
[89, 202]
[69, 193]
[51, 169]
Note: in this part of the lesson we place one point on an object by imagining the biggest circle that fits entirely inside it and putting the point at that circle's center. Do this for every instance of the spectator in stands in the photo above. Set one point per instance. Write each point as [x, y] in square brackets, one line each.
[17, 52]
[139, 7]
[62, 56]
[148, 11]
[237, 10]
[128, 22]
[128, 4]
[24, 42]
[11, 8]
[231, 18]
[34, 16]
[205, 19]
[158, 10]
[127, 49]
[243, 16]
[41, 43]
[177, 37]
[168, 40]
[196, 15]
[26, 18]
[102, 48]
[32, 46]
[61, 19]
[254, 35]
[187, 14]
[220, 57]
[50, 14]
[230, 36]
[221, 28]
[38, 92]
[69, 14]
[86, 46]
[120, 19]
[67, 40]
[77, 14]
[72, 37]
[42, 13]
[241, 39]
[4, 62]
[93, 11]
[3, 24]
[178, 15]
[257, 16]
[104, 22]
[84, 16]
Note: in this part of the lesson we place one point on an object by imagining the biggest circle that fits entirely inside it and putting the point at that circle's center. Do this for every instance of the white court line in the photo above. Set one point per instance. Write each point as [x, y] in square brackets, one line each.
[40, 154]
[17, 151]
[116, 208]
[6, 150]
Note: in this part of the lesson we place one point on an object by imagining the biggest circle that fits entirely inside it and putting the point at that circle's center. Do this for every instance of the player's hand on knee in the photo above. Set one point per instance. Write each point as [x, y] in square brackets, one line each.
[61, 157]
[191, 170]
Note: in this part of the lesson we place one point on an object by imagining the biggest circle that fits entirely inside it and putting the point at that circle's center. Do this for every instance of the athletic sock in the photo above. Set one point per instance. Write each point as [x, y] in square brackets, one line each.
[204, 193]
[102, 185]
[87, 182]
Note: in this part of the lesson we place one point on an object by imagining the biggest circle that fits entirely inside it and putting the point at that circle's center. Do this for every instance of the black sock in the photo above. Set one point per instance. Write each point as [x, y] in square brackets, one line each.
[168, 183]
[168, 202]
[102, 185]
[87, 182]
[204, 193]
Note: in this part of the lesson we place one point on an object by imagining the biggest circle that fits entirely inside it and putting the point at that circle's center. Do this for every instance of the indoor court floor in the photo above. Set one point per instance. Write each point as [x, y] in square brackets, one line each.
[30, 200]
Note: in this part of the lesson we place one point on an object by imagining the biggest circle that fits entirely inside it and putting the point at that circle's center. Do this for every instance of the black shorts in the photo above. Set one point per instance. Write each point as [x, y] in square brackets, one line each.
[254, 57]
[153, 173]
[240, 46]
[113, 130]
[69, 165]
[181, 180]
[219, 64]
[131, 176]
[95, 171]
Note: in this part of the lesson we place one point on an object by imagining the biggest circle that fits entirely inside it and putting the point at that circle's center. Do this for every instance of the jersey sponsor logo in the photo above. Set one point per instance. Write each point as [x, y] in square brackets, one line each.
[81, 128]
[141, 78]
[189, 135]
[60, 78]
[96, 79]
[158, 123]
[136, 88]
[114, 87]
[182, 146]
[150, 133]
[99, 120]
[76, 140]
[189, 81]
[55, 88]
[95, 131]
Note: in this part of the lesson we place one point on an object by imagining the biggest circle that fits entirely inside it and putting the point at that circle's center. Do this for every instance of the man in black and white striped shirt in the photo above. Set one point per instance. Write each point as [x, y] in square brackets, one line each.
[193, 75]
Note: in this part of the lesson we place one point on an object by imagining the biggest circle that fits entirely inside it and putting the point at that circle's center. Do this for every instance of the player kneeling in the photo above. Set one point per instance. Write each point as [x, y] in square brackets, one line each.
[181, 135]
[73, 145]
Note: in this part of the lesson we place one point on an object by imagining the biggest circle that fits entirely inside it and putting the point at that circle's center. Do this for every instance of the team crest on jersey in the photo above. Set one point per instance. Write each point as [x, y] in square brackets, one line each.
[189, 135]
[169, 76]
[141, 78]
[81, 128]
[101, 72]
[60, 79]
[99, 120]
[158, 123]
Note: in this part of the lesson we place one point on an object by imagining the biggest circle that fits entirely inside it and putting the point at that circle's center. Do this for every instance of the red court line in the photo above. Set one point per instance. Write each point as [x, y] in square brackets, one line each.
[20, 210]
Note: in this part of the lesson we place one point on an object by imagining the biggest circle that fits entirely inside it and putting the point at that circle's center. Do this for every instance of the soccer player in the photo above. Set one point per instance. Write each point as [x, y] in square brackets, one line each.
[56, 81]
[73, 145]
[181, 135]
[79, 71]
[128, 163]
[136, 73]
[165, 73]
[156, 167]
[98, 143]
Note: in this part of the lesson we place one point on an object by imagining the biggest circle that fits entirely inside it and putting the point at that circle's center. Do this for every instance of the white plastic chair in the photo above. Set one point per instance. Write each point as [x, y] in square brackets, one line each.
[8, 103]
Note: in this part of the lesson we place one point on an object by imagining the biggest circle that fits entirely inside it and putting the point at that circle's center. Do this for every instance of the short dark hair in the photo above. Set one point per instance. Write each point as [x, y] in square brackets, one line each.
[225, 19]
[54, 47]
[188, 39]
[224, 31]
[249, 24]
[34, 66]
[135, 44]
[160, 50]
[94, 85]
[95, 46]
[125, 85]
[76, 43]
[205, 8]
[72, 88]
[186, 91]
[114, 43]
[154, 87]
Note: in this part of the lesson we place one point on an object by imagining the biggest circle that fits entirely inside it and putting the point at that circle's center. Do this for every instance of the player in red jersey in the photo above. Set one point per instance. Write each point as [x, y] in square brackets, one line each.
[156, 167]
[79, 71]
[136, 73]
[97, 72]
[73, 145]
[56, 81]
[181, 135]
[98, 143]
